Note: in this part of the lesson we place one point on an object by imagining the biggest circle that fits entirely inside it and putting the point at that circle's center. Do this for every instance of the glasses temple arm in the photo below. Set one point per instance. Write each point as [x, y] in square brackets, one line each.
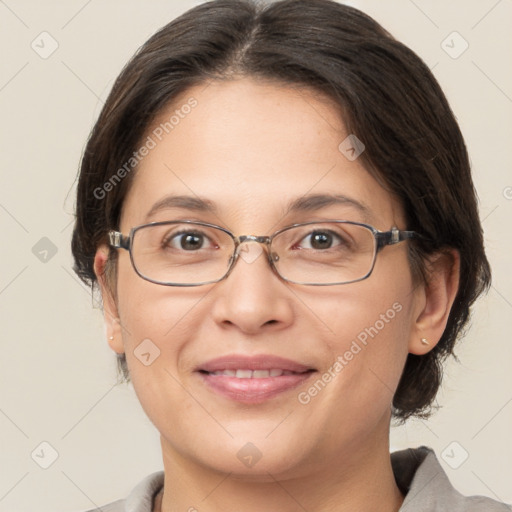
[393, 236]
[118, 240]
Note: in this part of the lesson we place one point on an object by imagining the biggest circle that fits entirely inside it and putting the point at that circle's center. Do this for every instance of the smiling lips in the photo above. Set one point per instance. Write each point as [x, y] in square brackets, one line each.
[253, 379]
[253, 374]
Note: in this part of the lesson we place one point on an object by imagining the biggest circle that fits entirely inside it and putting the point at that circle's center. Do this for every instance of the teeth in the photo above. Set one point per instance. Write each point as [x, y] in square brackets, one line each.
[253, 374]
[243, 374]
[260, 374]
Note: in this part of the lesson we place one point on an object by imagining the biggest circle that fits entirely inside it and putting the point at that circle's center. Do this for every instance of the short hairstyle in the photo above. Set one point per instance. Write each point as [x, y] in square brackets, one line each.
[387, 96]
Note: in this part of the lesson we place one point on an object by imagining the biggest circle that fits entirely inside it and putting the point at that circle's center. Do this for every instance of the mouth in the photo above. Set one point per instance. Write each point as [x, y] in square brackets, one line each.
[253, 379]
[253, 374]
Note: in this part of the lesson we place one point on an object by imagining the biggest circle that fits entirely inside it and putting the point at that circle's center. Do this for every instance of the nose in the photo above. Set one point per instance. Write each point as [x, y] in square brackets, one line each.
[252, 297]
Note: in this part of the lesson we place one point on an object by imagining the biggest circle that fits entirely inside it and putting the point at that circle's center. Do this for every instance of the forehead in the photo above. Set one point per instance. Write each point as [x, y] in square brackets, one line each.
[251, 148]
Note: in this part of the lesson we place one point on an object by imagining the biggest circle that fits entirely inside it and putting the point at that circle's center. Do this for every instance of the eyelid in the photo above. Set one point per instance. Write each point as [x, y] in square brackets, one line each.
[277, 227]
[309, 230]
[350, 216]
[182, 229]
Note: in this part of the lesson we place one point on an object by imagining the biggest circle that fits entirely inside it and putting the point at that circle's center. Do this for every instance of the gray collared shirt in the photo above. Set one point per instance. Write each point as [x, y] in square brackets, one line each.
[417, 472]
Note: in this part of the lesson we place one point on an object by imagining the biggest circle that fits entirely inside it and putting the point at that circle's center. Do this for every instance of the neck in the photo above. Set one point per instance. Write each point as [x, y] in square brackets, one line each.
[362, 481]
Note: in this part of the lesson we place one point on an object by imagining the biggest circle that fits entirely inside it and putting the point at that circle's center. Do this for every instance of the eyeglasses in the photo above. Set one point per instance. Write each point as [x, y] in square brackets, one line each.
[191, 253]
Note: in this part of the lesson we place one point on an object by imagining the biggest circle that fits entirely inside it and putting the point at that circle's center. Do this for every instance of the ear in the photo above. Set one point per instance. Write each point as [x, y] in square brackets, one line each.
[435, 300]
[114, 331]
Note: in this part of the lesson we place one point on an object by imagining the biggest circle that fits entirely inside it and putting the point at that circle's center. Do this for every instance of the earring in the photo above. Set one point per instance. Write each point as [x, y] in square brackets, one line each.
[111, 338]
[425, 341]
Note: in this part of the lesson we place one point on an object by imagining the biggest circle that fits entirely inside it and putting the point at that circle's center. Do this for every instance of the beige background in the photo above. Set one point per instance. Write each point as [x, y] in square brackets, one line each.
[57, 374]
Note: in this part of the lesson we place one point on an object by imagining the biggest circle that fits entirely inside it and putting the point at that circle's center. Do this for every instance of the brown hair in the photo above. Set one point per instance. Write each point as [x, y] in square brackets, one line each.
[388, 97]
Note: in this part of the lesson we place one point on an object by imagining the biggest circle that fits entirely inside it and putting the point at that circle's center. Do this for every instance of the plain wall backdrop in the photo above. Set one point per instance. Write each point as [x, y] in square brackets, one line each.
[57, 374]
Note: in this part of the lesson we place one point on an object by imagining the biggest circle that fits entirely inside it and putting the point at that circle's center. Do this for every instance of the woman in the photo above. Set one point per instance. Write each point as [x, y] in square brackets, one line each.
[276, 204]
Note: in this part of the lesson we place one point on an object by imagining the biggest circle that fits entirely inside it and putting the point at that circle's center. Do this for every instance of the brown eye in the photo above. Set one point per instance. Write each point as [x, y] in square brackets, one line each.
[185, 240]
[319, 240]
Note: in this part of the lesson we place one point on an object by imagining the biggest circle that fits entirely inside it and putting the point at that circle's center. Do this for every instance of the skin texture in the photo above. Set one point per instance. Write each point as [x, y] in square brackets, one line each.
[251, 147]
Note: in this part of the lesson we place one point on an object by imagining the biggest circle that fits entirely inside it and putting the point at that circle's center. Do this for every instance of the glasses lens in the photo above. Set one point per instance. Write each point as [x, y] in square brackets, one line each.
[181, 253]
[324, 253]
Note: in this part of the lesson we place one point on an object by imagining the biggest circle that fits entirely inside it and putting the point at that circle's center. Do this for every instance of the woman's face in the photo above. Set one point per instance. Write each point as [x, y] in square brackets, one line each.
[251, 149]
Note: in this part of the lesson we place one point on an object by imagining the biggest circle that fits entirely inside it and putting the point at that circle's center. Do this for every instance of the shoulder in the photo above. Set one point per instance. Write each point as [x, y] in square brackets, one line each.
[420, 476]
[140, 499]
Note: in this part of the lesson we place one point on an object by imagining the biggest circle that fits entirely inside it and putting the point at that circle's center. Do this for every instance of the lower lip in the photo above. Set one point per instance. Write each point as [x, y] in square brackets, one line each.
[253, 391]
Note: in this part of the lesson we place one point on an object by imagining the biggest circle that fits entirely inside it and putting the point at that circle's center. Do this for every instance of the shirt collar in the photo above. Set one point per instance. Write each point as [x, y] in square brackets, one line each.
[417, 472]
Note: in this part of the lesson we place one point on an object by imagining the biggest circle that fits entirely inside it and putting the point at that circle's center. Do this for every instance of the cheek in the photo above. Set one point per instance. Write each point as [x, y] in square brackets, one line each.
[150, 319]
[372, 342]
[370, 324]
[156, 327]
[149, 310]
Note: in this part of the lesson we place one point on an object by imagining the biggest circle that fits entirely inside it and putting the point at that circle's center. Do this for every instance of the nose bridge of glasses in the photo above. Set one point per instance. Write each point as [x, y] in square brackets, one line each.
[251, 252]
[252, 238]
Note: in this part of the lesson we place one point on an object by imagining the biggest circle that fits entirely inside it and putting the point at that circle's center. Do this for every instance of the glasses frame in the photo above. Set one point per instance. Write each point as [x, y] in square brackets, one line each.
[382, 239]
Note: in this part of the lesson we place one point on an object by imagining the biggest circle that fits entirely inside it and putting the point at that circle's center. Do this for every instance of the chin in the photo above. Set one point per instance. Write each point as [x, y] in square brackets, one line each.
[259, 460]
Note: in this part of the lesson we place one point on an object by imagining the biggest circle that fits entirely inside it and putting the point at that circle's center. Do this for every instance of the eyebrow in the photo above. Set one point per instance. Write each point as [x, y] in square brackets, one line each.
[195, 204]
[307, 203]
[314, 202]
